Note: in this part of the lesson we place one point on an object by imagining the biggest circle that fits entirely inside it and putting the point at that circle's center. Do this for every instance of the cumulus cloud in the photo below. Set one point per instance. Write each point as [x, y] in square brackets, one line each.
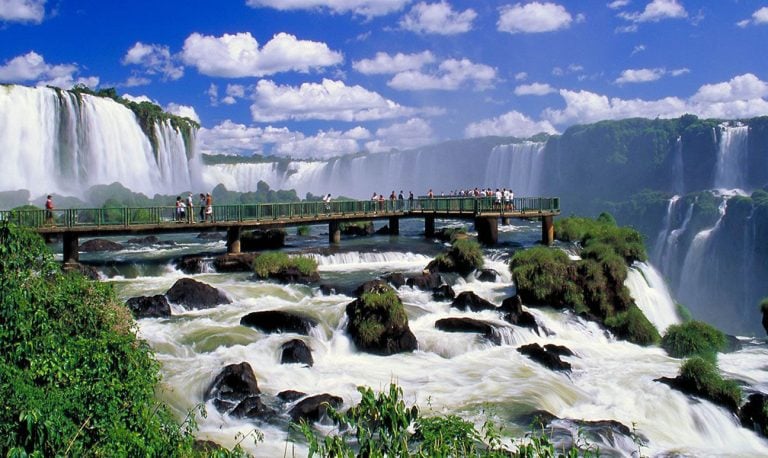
[234, 92]
[183, 111]
[743, 96]
[645, 75]
[22, 11]
[656, 11]
[329, 100]
[154, 59]
[138, 98]
[451, 75]
[534, 89]
[759, 17]
[438, 18]
[383, 63]
[533, 17]
[412, 133]
[134, 81]
[513, 124]
[233, 138]
[618, 4]
[367, 8]
[31, 67]
[239, 55]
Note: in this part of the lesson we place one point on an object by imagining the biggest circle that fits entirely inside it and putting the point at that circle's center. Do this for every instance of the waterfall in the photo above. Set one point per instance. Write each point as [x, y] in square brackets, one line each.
[730, 170]
[661, 239]
[517, 167]
[68, 143]
[667, 252]
[652, 296]
[678, 171]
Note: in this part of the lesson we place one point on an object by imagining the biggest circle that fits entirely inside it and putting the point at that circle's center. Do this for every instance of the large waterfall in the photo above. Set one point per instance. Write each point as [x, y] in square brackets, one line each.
[516, 166]
[54, 141]
[730, 171]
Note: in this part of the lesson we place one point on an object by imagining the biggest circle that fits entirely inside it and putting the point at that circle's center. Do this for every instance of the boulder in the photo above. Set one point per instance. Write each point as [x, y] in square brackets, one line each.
[765, 319]
[290, 274]
[149, 306]
[315, 407]
[191, 265]
[195, 295]
[383, 230]
[754, 413]
[296, 351]
[94, 245]
[234, 262]
[689, 386]
[88, 272]
[544, 357]
[361, 228]
[253, 408]
[469, 325]
[212, 236]
[233, 384]
[377, 321]
[259, 240]
[274, 321]
[512, 307]
[149, 241]
[290, 395]
[425, 281]
[468, 300]
[443, 292]
[488, 275]
[395, 279]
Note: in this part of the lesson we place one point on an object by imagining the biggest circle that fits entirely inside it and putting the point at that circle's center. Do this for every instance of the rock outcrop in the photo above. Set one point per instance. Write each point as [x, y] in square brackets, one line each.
[377, 321]
[276, 321]
[149, 306]
[195, 295]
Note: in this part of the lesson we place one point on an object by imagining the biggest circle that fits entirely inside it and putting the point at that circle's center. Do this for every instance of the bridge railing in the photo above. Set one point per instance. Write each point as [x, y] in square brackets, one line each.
[132, 216]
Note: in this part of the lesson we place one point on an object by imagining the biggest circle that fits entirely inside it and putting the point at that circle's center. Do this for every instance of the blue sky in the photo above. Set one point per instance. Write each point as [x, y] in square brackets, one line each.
[321, 78]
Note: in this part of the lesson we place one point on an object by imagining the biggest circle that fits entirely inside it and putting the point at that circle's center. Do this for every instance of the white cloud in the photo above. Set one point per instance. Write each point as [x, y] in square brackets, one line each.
[450, 76]
[413, 133]
[534, 89]
[31, 67]
[234, 92]
[521, 76]
[213, 94]
[138, 98]
[438, 18]
[383, 63]
[367, 8]
[657, 10]
[759, 17]
[618, 4]
[134, 81]
[22, 10]
[154, 59]
[238, 55]
[329, 100]
[513, 124]
[646, 75]
[637, 49]
[533, 17]
[743, 96]
[323, 145]
[183, 110]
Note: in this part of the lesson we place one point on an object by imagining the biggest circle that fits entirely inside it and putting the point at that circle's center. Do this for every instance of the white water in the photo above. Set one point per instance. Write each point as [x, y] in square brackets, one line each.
[652, 296]
[450, 372]
[517, 167]
[694, 264]
[54, 143]
[730, 170]
[669, 249]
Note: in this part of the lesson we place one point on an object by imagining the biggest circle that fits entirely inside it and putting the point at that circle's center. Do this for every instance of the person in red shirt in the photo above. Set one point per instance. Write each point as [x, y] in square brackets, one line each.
[49, 210]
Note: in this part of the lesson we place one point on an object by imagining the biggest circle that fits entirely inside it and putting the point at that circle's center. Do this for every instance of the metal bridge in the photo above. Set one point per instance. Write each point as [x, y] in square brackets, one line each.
[73, 223]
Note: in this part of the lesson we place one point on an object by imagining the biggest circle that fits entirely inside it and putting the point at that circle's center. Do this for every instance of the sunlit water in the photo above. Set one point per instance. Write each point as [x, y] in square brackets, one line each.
[450, 372]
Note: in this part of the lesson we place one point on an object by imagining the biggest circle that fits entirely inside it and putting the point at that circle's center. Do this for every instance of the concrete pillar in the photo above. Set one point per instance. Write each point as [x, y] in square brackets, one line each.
[70, 247]
[394, 226]
[429, 226]
[505, 221]
[487, 230]
[547, 230]
[334, 232]
[233, 239]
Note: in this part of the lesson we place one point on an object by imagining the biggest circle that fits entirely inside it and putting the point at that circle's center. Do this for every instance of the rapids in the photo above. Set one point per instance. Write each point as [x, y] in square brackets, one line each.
[455, 373]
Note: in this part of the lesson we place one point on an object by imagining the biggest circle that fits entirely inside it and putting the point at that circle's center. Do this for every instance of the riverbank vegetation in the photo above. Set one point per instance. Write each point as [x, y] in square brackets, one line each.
[270, 263]
[463, 256]
[693, 338]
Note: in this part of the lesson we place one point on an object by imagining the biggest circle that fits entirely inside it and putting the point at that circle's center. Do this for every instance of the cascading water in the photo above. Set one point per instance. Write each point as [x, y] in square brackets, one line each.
[517, 167]
[678, 171]
[661, 239]
[730, 170]
[652, 295]
[667, 252]
[67, 143]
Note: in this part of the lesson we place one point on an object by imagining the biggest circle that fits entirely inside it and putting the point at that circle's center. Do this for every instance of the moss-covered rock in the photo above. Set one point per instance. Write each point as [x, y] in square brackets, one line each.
[701, 378]
[377, 321]
[463, 257]
[694, 338]
[279, 266]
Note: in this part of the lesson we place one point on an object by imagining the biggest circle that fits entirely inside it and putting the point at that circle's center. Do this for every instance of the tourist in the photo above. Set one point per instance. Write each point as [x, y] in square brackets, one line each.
[401, 200]
[49, 210]
[202, 207]
[180, 206]
[430, 194]
[190, 209]
[327, 202]
[410, 200]
[208, 207]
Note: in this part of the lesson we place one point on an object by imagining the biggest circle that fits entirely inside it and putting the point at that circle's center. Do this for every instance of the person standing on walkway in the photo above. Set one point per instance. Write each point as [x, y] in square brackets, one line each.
[190, 209]
[202, 207]
[49, 210]
[208, 207]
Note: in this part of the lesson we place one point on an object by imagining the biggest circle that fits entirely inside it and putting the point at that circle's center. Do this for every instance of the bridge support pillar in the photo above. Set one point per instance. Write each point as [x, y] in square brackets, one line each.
[334, 233]
[429, 226]
[487, 230]
[505, 220]
[394, 226]
[547, 230]
[70, 248]
[233, 239]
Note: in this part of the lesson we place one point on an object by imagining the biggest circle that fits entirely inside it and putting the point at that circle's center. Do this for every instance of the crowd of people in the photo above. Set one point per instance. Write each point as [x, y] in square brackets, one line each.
[185, 208]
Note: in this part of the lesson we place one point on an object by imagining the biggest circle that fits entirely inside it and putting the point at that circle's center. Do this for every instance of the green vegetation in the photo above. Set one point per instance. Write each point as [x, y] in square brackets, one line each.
[382, 425]
[464, 256]
[380, 311]
[764, 305]
[271, 262]
[302, 231]
[706, 378]
[76, 381]
[694, 338]
[592, 286]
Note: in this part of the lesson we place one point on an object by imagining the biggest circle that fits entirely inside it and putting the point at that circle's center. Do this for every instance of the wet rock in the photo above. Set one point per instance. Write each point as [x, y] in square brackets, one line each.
[195, 295]
[290, 395]
[212, 236]
[395, 279]
[754, 413]
[443, 292]
[512, 308]
[689, 386]
[290, 274]
[259, 240]
[488, 275]
[361, 228]
[468, 300]
[88, 272]
[253, 408]
[384, 230]
[233, 384]
[315, 407]
[274, 321]
[545, 357]
[150, 240]
[463, 324]
[149, 306]
[296, 351]
[95, 245]
[234, 262]
[425, 281]
[377, 321]
[191, 265]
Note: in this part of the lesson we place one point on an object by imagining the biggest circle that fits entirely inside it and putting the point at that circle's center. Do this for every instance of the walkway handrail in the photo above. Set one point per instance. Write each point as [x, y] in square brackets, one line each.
[133, 216]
